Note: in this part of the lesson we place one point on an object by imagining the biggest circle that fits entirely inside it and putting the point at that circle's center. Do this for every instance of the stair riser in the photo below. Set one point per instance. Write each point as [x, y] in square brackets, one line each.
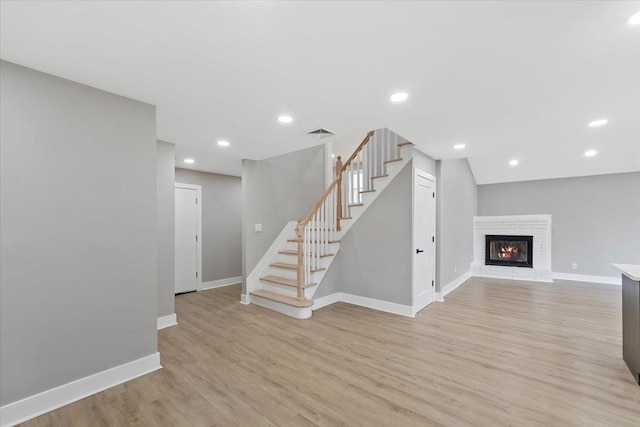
[293, 259]
[296, 312]
[293, 246]
[289, 274]
[286, 290]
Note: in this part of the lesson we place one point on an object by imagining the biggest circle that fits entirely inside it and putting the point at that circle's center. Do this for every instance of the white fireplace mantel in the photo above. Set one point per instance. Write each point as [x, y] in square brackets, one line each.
[538, 226]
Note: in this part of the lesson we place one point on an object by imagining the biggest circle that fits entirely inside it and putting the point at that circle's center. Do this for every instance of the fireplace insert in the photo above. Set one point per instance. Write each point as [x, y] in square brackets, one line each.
[511, 251]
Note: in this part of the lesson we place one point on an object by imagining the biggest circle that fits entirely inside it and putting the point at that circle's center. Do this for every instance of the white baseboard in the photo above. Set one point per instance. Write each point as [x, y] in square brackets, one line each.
[166, 321]
[420, 302]
[41, 403]
[452, 285]
[325, 300]
[375, 304]
[586, 278]
[245, 299]
[220, 283]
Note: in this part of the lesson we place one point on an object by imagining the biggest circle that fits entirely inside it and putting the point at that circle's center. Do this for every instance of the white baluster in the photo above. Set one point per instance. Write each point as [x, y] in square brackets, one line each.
[314, 241]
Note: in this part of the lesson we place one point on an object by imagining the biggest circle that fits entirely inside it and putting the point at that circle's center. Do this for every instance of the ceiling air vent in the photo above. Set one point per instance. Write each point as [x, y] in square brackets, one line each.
[320, 133]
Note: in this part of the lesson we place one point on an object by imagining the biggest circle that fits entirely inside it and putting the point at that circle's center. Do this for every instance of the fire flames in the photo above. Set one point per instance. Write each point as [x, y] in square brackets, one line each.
[507, 252]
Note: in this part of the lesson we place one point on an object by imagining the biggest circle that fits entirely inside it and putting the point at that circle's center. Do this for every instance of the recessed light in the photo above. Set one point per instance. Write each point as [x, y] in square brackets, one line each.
[223, 143]
[590, 153]
[399, 97]
[634, 20]
[285, 119]
[190, 161]
[599, 122]
[513, 162]
[459, 146]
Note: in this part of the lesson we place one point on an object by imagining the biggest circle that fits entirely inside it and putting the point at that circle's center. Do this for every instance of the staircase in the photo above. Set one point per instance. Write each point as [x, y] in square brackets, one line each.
[292, 269]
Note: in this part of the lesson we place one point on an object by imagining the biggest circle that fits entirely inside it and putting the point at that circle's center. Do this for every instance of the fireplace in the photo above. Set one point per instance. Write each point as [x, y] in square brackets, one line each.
[510, 251]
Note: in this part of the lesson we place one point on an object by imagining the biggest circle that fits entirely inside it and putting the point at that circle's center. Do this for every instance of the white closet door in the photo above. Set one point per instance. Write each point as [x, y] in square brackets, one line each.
[186, 240]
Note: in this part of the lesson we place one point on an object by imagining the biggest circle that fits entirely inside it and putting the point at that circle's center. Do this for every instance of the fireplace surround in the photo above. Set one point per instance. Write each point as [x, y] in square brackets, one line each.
[509, 251]
[537, 226]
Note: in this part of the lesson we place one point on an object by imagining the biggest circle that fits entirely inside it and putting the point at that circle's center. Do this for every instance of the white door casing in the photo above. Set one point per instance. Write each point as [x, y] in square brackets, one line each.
[424, 247]
[188, 239]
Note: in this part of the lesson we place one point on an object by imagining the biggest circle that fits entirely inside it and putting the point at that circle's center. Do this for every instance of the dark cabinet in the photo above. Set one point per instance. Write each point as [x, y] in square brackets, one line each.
[631, 325]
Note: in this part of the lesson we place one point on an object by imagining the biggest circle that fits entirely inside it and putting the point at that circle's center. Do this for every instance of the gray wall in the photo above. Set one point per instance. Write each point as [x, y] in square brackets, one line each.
[166, 228]
[423, 162]
[375, 256]
[78, 248]
[595, 219]
[275, 191]
[456, 205]
[221, 222]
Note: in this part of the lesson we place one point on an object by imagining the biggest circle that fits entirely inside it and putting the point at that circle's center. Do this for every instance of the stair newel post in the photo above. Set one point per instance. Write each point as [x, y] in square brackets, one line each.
[300, 238]
[339, 191]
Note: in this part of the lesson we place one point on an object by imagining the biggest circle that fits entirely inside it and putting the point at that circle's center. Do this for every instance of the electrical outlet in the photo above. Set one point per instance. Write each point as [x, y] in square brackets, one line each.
[258, 228]
[574, 266]
[455, 269]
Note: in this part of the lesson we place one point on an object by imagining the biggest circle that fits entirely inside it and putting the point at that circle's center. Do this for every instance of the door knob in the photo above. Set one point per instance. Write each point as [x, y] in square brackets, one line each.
[419, 250]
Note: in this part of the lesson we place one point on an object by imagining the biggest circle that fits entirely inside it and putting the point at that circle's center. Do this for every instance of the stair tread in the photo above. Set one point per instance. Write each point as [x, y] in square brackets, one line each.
[315, 241]
[402, 144]
[380, 176]
[393, 160]
[355, 204]
[282, 298]
[289, 266]
[287, 252]
[284, 281]
[367, 191]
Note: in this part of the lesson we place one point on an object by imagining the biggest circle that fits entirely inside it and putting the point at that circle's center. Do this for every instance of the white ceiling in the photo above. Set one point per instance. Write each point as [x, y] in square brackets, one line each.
[509, 79]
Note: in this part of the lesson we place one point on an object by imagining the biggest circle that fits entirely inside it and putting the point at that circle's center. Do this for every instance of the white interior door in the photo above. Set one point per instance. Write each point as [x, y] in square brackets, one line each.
[186, 240]
[423, 239]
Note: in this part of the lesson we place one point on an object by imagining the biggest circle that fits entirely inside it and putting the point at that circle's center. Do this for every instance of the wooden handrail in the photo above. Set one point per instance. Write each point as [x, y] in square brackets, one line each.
[339, 171]
[355, 153]
[324, 196]
[302, 223]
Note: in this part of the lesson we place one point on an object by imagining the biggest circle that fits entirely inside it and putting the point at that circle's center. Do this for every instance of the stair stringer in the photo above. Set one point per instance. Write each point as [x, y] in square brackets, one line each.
[253, 279]
[393, 169]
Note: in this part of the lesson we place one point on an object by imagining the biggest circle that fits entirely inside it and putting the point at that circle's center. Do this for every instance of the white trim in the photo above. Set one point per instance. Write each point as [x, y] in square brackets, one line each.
[421, 301]
[245, 299]
[198, 189]
[220, 283]
[439, 297]
[586, 278]
[41, 403]
[372, 303]
[454, 284]
[326, 300]
[166, 321]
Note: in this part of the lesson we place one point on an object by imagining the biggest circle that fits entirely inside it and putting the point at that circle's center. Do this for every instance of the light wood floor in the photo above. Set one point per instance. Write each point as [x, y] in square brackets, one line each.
[494, 353]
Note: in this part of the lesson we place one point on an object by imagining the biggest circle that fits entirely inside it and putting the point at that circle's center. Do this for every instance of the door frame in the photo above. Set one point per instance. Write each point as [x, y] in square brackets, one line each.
[198, 189]
[416, 305]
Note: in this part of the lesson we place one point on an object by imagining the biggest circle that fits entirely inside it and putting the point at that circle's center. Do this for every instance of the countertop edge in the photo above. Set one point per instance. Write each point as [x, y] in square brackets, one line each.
[632, 271]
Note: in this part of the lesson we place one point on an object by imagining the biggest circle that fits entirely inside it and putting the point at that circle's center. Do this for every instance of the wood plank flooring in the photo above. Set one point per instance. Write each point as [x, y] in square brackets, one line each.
[495, 353]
